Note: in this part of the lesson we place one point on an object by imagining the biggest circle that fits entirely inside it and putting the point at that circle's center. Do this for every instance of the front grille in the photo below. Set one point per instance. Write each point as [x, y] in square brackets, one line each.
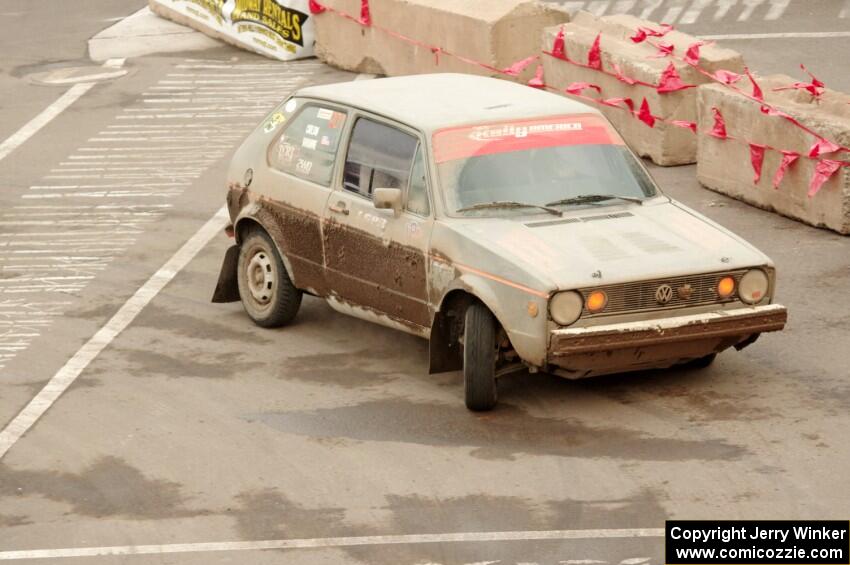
[640, 296]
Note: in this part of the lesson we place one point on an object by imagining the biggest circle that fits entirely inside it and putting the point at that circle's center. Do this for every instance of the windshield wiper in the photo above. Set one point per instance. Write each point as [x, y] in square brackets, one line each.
[591, 198]
[509, 204]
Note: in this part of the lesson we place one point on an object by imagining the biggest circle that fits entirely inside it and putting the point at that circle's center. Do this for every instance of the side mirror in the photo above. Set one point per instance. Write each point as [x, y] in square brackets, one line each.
[387, 199]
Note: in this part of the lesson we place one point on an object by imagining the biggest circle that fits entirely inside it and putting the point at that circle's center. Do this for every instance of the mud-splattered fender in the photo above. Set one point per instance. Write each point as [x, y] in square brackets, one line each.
[253, 212]
[521, 314]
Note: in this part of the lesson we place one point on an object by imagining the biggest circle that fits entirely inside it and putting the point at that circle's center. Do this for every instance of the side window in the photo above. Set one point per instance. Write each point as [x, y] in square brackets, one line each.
[307, 147]
[417, 192]
[379, 156]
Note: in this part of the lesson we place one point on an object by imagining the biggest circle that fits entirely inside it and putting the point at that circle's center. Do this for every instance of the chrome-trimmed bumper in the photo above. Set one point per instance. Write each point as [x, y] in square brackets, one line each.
[742, 322]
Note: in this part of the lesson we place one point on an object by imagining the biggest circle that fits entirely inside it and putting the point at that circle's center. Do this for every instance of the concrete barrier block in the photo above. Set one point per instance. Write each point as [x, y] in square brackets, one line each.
[724, 165]
[665, 144]
[494, 32]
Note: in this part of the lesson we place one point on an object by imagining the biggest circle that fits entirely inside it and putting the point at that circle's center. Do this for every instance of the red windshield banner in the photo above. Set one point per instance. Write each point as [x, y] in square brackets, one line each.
[504, 137]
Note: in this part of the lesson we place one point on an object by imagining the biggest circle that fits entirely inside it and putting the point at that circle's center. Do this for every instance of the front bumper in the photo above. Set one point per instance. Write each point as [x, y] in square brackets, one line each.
[724, 327]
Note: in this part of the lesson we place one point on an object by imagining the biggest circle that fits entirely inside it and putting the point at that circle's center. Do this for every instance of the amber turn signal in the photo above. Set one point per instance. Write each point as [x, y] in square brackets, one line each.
[596, 301]
[726, 287]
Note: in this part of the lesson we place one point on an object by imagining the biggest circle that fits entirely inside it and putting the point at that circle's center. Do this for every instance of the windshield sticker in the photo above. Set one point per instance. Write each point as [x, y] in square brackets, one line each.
[324, 114]
[286, 152]
[336, 120]
[276, 119]
[486, 139]
[308, 143]
[303, 167]
[312, 130]
[502, 131]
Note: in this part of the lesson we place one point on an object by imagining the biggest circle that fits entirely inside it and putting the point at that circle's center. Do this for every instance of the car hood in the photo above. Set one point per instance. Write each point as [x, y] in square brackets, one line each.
[611, 244]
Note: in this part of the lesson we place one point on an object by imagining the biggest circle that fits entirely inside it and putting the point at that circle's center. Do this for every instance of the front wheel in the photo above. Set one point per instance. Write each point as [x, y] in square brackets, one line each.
[479, 358]
[267, 292]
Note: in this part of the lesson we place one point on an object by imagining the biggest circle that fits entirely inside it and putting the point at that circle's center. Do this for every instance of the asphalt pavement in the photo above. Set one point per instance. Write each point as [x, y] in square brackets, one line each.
[194, 427]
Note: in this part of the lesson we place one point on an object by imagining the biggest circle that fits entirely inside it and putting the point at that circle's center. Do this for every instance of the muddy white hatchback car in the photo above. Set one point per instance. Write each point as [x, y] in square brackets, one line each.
[510, 227]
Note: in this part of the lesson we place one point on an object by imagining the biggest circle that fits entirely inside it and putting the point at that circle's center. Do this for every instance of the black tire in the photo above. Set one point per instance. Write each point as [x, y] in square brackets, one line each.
[701, 362]
[266, 291]
[479, 359]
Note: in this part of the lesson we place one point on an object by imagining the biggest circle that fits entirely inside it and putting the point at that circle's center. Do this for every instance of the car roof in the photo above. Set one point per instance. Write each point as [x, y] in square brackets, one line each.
[434, 101]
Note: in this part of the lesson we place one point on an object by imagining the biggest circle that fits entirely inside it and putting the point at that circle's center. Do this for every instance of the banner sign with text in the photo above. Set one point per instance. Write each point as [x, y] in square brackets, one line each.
[280, 29]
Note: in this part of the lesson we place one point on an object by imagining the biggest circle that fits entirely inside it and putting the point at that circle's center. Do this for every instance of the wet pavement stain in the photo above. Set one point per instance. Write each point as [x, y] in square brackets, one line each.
[267, 514]
[643, 510]
[86, 382]
[80, 383]
[100, 312]
[108, 487]
[147, 362]
[483, 513]
[688, 391]
[33, 387]
[706, 405]
[832, 400]
[14, 520]
[363, 368]
[503, 433]
[186, 325]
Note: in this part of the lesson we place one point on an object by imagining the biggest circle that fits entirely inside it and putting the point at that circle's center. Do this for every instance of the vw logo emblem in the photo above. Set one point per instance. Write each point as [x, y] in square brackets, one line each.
[664, 294]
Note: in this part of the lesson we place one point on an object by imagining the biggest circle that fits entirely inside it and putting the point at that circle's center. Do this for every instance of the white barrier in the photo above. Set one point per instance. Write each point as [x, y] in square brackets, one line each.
[280, 29]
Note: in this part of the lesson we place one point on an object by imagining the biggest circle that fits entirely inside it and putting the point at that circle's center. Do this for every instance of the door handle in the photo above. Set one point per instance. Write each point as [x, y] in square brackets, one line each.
[340, 208]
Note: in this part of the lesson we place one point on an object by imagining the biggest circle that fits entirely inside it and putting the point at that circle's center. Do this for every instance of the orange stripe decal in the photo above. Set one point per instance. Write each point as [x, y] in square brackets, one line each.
[492, 277]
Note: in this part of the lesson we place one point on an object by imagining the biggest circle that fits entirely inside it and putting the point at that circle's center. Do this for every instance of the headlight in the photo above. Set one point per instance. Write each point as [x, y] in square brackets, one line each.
[753, 286]
[565, 307]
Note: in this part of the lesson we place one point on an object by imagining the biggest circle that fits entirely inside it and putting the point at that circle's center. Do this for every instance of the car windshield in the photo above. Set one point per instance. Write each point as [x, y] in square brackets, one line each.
[527, 167]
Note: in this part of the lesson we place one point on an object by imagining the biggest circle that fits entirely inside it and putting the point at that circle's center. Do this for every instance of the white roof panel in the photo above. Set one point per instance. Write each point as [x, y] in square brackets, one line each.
[434, 101]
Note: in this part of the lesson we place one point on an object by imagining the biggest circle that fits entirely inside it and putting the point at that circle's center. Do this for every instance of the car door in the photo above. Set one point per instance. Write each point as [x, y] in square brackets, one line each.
[376, 258]
[297, 184]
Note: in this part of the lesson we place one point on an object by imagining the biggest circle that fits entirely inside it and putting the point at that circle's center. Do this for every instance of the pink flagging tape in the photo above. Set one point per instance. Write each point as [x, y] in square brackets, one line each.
[670, 81]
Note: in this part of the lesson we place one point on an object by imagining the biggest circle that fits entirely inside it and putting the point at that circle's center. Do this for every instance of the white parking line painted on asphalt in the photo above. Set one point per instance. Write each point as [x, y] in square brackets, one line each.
[684, 11]
[112, 185]
[692, 14]
[45, 117]
[48, 114]
[787, 35]
[359, 541]
[78, 228]
[125, 315]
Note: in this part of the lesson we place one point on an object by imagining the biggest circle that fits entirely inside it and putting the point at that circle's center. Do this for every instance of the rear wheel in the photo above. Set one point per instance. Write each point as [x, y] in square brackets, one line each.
[267, 292]
[479, 358]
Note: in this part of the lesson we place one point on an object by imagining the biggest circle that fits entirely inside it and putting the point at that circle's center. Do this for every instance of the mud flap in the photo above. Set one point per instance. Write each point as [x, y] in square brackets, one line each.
[749, 341]
[227, 289]
[445, 353]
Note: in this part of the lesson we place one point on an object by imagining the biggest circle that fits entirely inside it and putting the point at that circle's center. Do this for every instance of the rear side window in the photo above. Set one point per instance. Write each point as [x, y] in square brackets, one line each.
[379, 156]
[307, 146]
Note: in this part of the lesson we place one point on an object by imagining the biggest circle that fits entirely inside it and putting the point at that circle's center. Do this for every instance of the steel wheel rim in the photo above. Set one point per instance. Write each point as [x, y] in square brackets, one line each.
[260, 277]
